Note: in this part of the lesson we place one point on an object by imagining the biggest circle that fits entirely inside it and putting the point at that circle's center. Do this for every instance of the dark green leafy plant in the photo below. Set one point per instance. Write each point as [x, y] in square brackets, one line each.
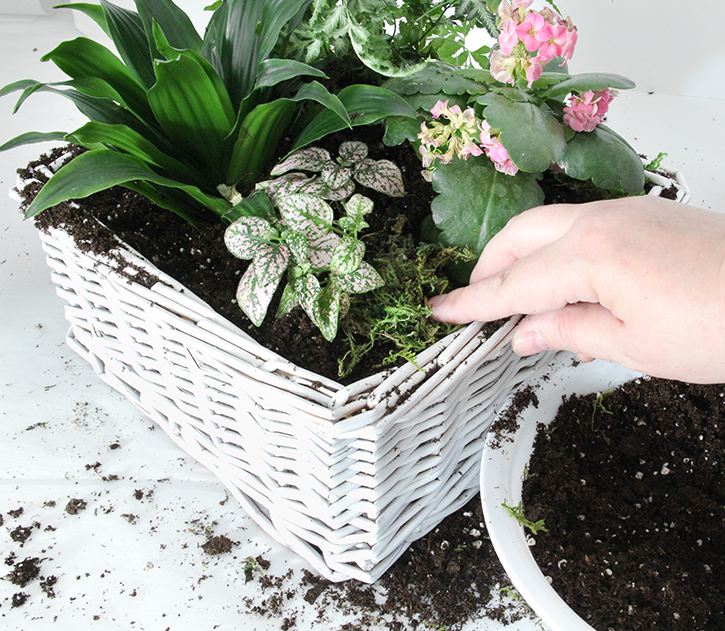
[187, 120]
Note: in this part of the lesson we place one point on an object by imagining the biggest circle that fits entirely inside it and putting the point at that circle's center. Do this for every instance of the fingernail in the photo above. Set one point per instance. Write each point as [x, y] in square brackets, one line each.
[435, 301]
[529, 343]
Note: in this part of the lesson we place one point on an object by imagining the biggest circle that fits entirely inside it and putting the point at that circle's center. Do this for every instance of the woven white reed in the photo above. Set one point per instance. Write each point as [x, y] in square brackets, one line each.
[346, 476]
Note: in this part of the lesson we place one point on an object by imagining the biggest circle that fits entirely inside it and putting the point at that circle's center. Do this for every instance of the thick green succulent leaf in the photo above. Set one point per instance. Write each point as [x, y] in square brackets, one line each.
[589, 81]
[365, 104]
[307, 214]
[606, 159]
[175, 24]
[441, 79]
[240, 35]
[99, 170]
[383, 176]
[533, 138]
[245, 236]
[254, 297]
[33, 137]
[83, 58]
[93, 11]
[272, 72]
[475, 201]
[189, 110]
[310, 159]
[126, 139]
[128, 34]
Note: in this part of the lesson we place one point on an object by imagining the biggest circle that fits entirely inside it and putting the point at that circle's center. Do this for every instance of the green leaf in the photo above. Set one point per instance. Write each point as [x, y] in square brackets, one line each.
[256, 205]
[240, 35]
[606, 159]
[257, 141]
[475, 201]
[383, 176]
[533, 138]
[125, 139]
[365, 105]
[307, 214]
[83, 58]
[93, 11]
[246, 234]
[274, 71]
[132, 43]
[270, 261]
[347, 256]
[365, 278]
[254, 297]
[175, 24]
[32, 137]
[590, 81]
[310, 159]
[437, 78]
[99, 170]
[191, 111]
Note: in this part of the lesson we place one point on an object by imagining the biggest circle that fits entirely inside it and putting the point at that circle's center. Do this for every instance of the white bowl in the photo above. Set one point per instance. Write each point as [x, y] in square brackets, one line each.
[502, 473]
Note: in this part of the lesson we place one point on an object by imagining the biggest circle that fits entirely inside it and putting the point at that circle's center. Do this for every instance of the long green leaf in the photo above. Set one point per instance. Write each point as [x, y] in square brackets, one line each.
[257, 141]
[275, 71]
[188, 108]
[83, 58]
[175, 24]
[589, 81]
[132, 42]
[94, 11]
[365, 104]
[125, 139]
[242, 34]
[32, 137]
[99, 170]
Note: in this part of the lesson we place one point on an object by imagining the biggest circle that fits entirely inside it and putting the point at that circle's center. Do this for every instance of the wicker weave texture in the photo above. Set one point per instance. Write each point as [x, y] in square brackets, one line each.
[346, 476]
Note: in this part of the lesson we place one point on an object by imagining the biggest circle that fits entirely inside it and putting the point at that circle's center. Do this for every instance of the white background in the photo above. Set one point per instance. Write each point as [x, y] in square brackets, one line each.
[148, 575]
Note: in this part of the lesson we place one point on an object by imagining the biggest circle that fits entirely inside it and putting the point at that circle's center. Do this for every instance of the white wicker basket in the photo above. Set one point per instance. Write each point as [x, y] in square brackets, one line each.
[346, 476]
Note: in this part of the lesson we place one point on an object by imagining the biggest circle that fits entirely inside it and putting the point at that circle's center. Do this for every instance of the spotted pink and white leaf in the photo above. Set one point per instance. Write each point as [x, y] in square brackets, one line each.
[383, 176]
[246, 234]
[308, 290]
[365, 278]
[288, 301]
[286, 185]
[358, 206]
[310, 159]
[329, 310]
[298, 245]
[254, 298]
[320, 251]
[269, 262]
[337, 194]
[353, 151]
[335, 175]
[307, 214]
[347, 256]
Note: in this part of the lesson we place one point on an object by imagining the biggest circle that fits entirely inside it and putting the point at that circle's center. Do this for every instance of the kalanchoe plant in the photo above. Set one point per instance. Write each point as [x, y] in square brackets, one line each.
[336, 179]
[187, 120]
[492, 133]
[323, 257]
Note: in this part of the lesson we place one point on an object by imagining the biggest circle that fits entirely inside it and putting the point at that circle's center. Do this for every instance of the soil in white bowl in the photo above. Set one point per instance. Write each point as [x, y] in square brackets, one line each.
[631, 487]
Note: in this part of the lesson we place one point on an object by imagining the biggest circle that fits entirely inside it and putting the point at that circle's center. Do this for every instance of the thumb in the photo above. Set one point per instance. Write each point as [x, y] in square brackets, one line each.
[589, 330]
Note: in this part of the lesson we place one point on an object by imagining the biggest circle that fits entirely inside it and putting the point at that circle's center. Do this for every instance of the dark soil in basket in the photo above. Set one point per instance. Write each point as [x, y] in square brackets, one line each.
[631, 487]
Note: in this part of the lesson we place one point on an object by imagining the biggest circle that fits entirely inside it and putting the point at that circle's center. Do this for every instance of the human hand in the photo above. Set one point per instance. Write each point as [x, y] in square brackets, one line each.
[639, 281]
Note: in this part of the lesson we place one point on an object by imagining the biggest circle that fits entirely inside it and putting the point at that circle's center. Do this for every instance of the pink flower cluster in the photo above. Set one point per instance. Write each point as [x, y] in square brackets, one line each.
[524, 32]
[587, 110]
[461, 136]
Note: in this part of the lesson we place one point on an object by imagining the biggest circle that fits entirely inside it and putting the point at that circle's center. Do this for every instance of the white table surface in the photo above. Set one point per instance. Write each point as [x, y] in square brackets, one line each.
[57, 417]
